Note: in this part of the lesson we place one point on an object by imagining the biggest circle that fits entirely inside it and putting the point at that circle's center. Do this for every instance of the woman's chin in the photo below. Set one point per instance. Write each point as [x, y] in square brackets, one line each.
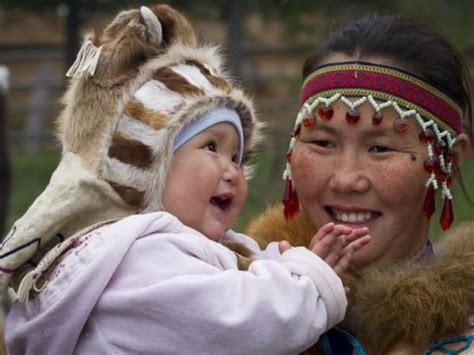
[366, 256]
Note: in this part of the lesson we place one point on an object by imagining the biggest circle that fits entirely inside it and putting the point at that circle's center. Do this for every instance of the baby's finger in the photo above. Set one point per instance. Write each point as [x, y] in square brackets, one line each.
[358, 244]
[342, 229]
[322, 232]
[284, 246]
[336, 250]
[342, 264]
[356, 233]
[325, 247]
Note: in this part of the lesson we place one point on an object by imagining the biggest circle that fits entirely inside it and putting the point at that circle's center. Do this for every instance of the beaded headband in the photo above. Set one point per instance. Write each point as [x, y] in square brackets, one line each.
[439, 116]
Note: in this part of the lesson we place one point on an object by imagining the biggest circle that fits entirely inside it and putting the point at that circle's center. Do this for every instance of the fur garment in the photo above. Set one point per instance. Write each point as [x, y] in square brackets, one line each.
[132, 91]
[394, 305]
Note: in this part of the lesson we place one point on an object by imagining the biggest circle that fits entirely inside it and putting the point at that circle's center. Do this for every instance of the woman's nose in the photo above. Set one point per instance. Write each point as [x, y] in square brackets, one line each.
[349, 175]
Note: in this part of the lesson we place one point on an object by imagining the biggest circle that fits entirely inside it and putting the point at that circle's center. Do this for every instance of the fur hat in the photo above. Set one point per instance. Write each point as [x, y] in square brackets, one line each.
[133, 89]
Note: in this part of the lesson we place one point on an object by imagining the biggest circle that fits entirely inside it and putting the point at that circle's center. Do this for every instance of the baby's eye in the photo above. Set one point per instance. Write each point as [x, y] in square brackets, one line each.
[380, 149]
[211, 146]
[235, 158]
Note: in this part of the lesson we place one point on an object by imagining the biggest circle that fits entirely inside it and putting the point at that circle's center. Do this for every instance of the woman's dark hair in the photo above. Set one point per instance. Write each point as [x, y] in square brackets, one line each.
[406, 44]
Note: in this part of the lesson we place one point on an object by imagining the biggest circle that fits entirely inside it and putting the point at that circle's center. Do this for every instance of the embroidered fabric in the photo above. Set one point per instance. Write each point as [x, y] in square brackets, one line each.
[465, 340]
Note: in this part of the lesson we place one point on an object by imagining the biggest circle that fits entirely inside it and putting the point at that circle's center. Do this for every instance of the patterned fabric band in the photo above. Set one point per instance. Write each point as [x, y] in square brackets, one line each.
[385, 83]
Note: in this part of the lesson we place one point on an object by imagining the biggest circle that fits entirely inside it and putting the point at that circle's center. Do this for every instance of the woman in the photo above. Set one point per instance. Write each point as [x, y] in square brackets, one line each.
[378, 136]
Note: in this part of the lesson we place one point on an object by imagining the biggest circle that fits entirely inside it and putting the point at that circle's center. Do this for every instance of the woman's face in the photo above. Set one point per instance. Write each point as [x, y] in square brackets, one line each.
[364, 175]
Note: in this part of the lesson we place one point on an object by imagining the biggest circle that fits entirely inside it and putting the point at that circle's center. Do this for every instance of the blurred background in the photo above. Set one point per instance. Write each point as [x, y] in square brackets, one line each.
[265, 41]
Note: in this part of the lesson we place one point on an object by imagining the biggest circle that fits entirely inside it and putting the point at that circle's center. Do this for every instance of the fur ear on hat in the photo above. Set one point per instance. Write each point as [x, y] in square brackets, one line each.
[133, 37]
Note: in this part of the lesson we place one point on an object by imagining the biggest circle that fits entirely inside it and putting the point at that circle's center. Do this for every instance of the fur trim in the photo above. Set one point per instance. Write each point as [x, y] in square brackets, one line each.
[415, 304]
[272, 226]
[244, 255]
[404, 304]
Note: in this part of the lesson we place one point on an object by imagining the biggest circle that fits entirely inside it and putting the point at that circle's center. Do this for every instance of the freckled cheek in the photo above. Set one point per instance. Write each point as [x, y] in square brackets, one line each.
[308, 169]
[400, 183]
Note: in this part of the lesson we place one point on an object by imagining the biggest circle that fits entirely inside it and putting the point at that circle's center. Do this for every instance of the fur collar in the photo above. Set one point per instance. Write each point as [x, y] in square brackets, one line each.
[396, 304]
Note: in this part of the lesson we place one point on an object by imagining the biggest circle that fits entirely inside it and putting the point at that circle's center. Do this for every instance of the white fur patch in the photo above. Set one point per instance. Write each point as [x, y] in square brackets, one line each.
[126, 174]
[134, 129]
[156, 96]
[193, 75]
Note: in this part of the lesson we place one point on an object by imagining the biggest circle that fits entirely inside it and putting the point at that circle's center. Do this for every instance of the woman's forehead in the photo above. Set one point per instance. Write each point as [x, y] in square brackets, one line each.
[386, 126]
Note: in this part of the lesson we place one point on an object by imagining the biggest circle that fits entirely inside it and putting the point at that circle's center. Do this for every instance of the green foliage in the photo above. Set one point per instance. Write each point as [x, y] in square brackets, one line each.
[463, 207]
[30, 174]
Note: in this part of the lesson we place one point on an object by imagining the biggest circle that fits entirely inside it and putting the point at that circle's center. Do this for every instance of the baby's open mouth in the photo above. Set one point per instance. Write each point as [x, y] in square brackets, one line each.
[221, 202]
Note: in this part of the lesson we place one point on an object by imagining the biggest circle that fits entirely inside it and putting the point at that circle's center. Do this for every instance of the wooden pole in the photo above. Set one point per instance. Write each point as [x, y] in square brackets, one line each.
[234, 35]
[72, 31]
[4, 152]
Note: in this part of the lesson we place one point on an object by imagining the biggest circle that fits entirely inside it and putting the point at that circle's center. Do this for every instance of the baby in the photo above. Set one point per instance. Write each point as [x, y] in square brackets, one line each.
[150, 182]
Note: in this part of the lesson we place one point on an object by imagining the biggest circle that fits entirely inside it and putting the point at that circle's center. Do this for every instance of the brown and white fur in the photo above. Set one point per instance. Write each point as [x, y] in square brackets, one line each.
[118, 126]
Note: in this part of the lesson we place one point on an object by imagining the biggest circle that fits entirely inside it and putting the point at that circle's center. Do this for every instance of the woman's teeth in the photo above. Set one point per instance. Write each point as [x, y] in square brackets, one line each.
[351, 217]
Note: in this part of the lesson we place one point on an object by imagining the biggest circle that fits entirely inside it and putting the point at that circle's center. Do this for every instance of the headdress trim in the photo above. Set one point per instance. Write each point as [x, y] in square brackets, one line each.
[387, 83]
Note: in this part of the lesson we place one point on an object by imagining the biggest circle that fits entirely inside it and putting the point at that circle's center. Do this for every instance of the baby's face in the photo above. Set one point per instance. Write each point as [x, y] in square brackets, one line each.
[206, 188]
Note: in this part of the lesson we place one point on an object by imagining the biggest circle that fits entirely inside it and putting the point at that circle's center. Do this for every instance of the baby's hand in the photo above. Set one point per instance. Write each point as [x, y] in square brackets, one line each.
[335, 244]
[284, 246]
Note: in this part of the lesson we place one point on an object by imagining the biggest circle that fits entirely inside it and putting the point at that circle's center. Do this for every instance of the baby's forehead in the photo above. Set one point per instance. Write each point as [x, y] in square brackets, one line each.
[222, 127]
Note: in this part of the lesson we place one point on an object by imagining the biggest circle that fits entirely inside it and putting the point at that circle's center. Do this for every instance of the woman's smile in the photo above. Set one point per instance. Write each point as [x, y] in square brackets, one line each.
[352, 215]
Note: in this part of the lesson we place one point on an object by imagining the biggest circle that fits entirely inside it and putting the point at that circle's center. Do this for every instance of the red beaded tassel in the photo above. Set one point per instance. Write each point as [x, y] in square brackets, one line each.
[429, 204]
[291, 205]
[447, 216]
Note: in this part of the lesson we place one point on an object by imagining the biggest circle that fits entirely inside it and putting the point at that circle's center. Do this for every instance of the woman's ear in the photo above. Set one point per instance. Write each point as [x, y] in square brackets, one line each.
[461, 149]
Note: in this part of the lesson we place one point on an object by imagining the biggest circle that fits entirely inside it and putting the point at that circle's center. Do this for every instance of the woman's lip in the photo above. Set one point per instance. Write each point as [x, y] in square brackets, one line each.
[349, 208]
[352, 216]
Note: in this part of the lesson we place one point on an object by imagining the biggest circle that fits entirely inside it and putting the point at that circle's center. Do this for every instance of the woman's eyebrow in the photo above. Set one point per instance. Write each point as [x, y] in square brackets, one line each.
[366, 133]
[326, 129]
[377, 133]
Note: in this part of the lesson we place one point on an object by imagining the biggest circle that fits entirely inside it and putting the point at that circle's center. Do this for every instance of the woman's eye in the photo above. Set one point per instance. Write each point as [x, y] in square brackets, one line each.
[323, 143]
[380, 149]
[211, 146]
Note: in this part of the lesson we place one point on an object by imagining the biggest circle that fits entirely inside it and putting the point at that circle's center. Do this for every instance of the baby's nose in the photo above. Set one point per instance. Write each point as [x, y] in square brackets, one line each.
[231, 173]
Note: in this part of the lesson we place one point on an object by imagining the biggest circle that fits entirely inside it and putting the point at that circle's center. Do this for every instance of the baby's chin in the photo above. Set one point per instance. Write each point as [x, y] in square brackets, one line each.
[214, 232]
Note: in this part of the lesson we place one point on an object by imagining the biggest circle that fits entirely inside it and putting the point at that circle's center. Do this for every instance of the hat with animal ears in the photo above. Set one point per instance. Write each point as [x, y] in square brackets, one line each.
[132, 91]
